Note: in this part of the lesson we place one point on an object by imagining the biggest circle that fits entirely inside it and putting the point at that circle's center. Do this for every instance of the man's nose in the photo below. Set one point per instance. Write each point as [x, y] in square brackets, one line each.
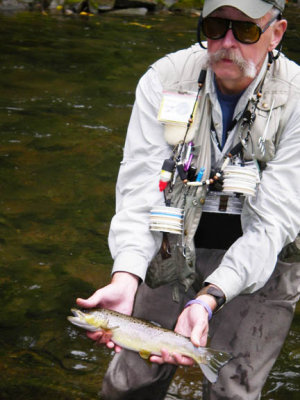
[229, 40]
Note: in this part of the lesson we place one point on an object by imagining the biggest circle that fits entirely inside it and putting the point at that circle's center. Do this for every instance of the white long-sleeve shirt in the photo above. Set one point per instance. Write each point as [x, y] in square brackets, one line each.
[269, 221]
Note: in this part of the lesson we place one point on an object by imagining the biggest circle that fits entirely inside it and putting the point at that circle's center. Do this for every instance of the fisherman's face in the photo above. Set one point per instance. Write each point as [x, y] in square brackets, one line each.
[236, 64]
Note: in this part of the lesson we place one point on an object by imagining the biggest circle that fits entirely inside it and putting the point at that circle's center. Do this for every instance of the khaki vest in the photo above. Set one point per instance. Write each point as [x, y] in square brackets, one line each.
[179, 71]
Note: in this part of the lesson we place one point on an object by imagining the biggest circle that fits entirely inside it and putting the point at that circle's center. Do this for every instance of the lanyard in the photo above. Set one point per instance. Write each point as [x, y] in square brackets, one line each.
[214, 133]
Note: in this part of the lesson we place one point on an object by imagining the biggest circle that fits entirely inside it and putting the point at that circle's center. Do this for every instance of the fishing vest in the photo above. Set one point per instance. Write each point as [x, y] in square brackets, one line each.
[175, 262]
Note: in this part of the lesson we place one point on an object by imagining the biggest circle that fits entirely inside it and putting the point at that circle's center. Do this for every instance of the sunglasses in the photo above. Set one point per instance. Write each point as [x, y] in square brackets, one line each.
[246, 32]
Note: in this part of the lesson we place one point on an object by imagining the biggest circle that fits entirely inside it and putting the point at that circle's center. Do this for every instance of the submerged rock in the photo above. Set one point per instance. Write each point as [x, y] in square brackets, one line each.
[13, 5]
[139, 11]
[103, 5]
[134, 7]
[149, 4]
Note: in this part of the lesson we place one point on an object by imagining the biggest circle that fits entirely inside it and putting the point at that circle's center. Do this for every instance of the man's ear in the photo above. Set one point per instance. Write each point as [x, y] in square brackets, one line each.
[278, 31]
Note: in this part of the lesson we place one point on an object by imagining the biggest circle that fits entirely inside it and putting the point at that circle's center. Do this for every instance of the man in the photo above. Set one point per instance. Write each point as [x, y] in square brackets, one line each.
[247, 114]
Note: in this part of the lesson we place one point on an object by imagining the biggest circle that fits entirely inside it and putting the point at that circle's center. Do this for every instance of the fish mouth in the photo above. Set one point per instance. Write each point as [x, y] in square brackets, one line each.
[75, 312]
[78, 313]
[79, 320]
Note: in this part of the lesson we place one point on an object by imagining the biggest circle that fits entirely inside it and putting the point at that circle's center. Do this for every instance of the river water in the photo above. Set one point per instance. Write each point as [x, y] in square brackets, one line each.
[67, 89]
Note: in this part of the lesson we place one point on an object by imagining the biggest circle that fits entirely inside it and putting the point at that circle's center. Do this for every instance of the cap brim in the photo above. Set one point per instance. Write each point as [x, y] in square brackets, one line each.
[253, 8]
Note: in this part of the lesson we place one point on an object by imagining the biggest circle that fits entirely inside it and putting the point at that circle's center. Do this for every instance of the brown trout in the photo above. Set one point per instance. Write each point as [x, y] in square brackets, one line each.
[147, 338]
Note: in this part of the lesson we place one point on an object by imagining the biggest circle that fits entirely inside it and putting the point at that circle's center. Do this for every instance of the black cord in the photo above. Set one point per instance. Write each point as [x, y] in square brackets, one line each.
[199, 27]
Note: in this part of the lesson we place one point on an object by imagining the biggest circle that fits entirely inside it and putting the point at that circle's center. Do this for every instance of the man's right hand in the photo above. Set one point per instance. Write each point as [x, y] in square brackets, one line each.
[118, 296]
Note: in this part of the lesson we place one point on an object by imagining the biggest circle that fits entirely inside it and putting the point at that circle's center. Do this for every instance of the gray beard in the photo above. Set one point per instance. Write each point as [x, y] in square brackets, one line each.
[247, 67]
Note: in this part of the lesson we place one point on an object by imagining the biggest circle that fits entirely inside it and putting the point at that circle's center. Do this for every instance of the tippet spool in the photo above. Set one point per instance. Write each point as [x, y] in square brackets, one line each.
[167, 219]
[238, 179]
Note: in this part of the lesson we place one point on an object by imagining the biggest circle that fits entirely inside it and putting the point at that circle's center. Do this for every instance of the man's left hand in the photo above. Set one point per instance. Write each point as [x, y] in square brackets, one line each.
[192, 323]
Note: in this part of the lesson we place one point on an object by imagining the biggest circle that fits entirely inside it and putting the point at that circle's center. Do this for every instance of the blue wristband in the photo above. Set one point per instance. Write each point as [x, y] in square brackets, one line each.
[203, 304]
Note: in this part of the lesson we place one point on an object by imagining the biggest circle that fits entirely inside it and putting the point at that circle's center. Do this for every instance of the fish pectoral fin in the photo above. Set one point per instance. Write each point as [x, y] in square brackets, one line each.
[105, 326]
[111, 328]
[145, 354]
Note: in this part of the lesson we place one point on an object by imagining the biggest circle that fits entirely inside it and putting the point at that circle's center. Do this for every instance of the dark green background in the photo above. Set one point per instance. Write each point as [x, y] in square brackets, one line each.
[67, 89]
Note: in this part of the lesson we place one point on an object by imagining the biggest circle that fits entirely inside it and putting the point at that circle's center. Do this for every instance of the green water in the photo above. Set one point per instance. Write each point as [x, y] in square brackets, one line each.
[67, 88]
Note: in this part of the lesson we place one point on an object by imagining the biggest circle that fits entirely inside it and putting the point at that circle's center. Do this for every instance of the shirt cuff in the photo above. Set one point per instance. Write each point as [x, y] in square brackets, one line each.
[132, 263]
[231, 286]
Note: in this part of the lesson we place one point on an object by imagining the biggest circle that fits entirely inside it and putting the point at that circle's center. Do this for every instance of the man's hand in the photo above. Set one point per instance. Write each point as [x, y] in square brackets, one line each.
[192, 323]
[118, 296]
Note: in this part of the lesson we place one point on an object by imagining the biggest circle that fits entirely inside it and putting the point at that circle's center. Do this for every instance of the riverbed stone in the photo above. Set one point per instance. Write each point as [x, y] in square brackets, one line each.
[137, 11]
[13, 5]
[56, 4]
[149, 4]
[103, 5]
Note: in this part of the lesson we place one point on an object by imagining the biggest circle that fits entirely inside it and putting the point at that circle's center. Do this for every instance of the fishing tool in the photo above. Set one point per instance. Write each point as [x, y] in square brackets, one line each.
[241, 179]
[197, 181]
[262, 139]
[180, 162]
[167, 219]
[200, 174]
[166, 173]
[181, 171]
[201, 81]
[189, 156]
[237, 176]
[250, 113]
[191, 174]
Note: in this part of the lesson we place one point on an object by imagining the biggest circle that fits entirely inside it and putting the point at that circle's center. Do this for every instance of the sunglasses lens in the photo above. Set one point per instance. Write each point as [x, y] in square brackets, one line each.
[246, 32]
[214, 28]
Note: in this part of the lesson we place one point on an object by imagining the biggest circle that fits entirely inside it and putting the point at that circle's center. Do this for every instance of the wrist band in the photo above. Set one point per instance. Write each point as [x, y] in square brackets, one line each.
[202, 303]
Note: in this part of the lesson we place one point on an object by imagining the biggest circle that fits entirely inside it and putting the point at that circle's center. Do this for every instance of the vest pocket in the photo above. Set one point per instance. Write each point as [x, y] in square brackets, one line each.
[171, 264]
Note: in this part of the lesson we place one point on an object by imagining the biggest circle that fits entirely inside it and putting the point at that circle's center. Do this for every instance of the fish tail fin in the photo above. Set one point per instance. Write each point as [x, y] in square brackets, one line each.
[211, 364]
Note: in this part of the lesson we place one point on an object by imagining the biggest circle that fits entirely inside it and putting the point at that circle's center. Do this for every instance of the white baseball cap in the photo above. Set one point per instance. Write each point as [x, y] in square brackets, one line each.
[253, 8]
